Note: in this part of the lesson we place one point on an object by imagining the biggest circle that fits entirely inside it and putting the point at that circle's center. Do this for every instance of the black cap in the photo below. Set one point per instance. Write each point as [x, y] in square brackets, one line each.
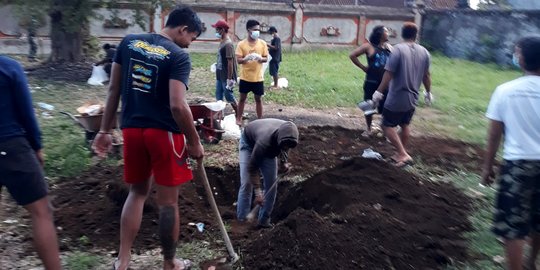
[272, 29]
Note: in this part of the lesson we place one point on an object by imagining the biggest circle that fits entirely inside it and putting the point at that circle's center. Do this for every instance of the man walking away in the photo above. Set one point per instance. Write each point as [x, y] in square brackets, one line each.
[151, 74]
[406, 69]
[514, 111]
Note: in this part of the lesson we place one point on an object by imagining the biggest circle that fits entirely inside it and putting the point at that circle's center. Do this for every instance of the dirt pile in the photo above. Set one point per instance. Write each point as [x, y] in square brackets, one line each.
[322, 147]
[364, 214]
[89, 208]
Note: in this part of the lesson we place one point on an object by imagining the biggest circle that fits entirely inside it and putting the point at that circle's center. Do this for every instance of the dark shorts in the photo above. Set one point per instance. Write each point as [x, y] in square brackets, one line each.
[107, 67]
[369, 90]
[256, 87]
[20, 171]
[393, 119]
[273, 66]
[517, 207]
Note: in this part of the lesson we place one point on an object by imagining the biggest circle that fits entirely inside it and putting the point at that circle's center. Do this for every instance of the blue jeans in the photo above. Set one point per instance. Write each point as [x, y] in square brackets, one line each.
[221, 91]
[268, 169]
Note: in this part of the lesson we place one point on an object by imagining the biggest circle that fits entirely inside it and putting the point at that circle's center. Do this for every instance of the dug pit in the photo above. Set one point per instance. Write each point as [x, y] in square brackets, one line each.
[351, 213]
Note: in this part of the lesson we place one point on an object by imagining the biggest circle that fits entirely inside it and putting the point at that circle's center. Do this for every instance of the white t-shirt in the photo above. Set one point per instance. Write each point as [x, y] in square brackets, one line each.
[517, 105]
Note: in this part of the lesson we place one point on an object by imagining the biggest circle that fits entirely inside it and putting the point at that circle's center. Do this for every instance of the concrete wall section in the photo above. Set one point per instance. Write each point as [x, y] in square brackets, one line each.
[283, 24]
[97, 26]
[394, 27]
[482, 36]
[330, 30]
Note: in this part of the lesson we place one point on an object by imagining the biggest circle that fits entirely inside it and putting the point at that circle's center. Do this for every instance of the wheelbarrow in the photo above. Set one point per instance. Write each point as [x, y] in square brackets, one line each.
[207, 118]
[91, 124]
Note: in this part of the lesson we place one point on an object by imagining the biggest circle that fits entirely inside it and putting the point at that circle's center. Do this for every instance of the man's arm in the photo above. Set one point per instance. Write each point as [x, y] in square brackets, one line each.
[25, 111]
[103, 140]
[183, 117]
[356, 53]
[257, 154]
[427, 81]
[230, 67]
[387, 77]
[113, 99]
[496, 129]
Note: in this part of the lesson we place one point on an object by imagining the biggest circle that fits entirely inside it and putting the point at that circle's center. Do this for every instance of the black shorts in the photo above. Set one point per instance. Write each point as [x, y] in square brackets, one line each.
[256, 87]
[517, 207]
[393, 119]
[369, 89]
[273, 66]
[20, 171]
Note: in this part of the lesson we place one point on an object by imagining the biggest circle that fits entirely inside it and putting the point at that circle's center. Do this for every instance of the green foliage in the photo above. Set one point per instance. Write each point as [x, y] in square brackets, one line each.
[91, 46]
[82, 261]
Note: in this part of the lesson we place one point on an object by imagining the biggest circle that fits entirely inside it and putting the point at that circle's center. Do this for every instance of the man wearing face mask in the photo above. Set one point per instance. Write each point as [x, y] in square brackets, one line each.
[225, 65]
[150, 73]
[514, 113]
[251, 53]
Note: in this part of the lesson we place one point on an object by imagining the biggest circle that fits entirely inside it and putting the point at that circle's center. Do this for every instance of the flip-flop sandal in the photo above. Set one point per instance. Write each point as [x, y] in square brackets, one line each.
[114, 264]
[405, 163]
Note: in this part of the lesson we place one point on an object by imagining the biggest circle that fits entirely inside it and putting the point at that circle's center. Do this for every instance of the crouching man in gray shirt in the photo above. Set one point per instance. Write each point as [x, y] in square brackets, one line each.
[406, 70]
[261, 143]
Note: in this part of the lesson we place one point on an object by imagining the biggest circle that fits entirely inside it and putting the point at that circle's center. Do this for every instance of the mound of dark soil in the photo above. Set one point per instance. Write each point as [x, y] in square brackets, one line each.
[90, 205]
[324, 146]
[364, 214]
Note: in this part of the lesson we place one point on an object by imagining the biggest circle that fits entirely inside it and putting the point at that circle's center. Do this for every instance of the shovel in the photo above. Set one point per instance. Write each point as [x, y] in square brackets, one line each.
[251, 216]
[202, 174]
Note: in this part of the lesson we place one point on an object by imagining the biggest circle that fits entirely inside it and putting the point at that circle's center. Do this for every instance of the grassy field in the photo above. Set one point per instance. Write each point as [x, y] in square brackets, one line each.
[317, 79]
[327, 79]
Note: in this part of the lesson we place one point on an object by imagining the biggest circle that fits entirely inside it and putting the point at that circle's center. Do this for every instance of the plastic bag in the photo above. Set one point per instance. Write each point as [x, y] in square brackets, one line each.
[369, 153]
[98, 76]
[213, 68]
[283, 83]
[215, 106]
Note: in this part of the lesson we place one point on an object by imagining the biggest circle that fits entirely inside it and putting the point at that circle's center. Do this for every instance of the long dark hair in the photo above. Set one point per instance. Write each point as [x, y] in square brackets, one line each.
[376, 35]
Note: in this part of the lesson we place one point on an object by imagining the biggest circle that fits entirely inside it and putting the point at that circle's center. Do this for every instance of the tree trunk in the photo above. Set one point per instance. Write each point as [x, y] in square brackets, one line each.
[66, 46]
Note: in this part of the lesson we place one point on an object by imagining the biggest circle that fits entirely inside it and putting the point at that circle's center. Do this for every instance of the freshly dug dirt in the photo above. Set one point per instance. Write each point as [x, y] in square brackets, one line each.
[364, 214]
[351, 213]
[322, 147]
[90, 205]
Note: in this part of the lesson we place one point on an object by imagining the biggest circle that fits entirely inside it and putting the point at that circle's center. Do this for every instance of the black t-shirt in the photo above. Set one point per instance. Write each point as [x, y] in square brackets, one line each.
[275, 53]
[148, 62]
[109, 54]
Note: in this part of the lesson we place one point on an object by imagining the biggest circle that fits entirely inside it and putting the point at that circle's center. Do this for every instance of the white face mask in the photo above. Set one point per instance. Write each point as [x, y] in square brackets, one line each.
[218, 35]
[255, 34]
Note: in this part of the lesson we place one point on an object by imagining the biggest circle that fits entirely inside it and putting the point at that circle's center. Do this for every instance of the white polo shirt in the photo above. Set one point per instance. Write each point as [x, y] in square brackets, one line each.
[517, 105]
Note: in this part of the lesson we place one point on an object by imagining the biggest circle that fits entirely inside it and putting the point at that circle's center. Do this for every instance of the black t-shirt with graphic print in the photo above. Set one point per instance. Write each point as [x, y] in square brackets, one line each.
[148, 62]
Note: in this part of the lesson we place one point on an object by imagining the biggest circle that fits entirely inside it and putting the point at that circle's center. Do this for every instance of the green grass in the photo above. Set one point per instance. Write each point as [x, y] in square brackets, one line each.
[328, 79]
[82, 261]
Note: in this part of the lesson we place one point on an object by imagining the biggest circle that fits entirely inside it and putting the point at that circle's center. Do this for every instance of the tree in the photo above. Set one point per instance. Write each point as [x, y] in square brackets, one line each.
[70, 20]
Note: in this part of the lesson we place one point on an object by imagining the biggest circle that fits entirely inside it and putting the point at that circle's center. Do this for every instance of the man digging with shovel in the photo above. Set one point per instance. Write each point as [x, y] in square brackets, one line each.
[261, 143]
[151, 74]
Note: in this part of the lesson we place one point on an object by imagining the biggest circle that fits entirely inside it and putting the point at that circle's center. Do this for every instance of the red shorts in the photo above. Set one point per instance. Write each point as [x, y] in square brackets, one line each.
[150, 151]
